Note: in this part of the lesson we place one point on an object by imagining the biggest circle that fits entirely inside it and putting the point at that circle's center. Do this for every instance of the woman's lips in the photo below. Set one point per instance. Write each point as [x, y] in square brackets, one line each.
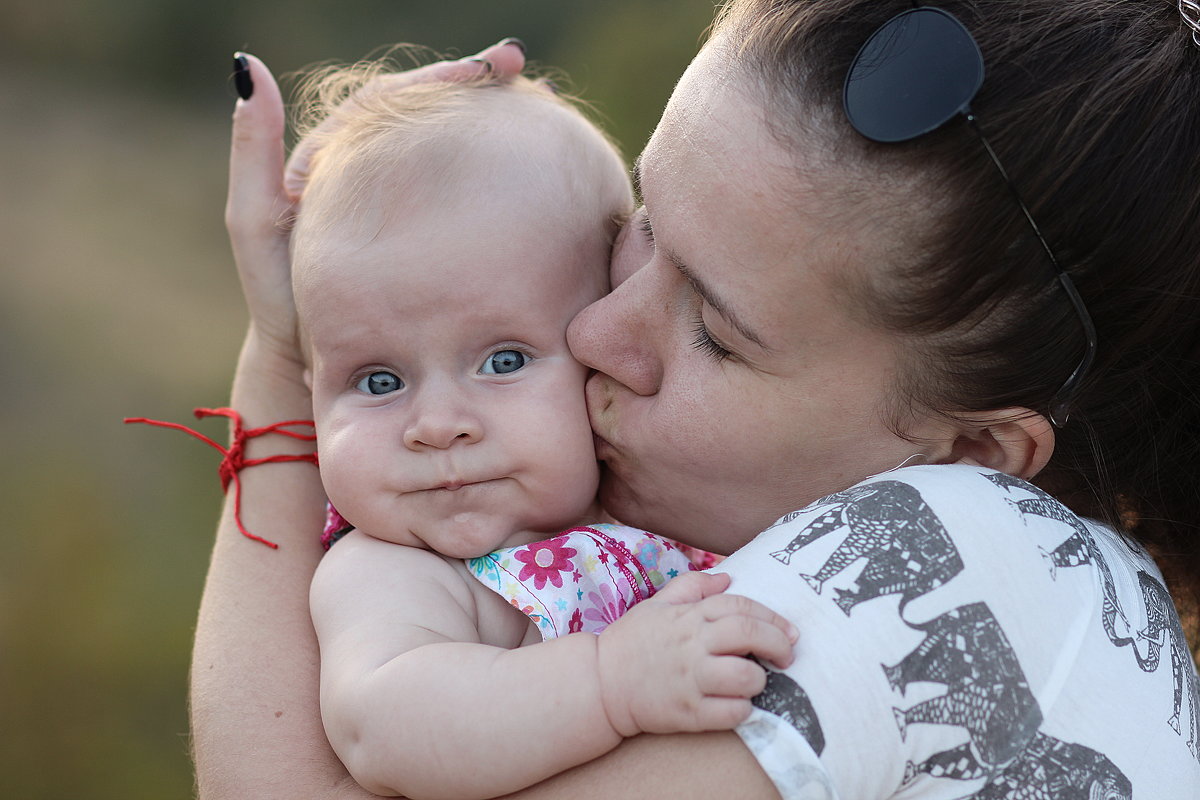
[604, 450]
[599, 394]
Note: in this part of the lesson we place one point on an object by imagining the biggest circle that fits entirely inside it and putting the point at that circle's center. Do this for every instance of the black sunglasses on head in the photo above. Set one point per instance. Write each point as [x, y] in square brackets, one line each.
[918, 71]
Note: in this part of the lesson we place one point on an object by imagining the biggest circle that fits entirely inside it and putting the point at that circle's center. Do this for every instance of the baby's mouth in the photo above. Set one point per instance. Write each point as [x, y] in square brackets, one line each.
[454, 484]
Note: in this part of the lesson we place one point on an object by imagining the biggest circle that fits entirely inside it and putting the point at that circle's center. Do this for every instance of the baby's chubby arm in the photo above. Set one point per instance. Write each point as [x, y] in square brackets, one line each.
[415, 703]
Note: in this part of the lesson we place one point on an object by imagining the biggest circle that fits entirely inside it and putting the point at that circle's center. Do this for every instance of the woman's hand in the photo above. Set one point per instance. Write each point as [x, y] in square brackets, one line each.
[505, 59]
[263, 195]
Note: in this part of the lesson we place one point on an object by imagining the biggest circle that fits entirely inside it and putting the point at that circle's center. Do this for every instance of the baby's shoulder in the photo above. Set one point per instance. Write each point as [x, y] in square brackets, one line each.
[357, 550]
[361, 563]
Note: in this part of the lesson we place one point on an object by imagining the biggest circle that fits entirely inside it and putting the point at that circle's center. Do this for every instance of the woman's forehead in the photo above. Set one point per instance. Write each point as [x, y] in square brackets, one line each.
[768, 180]
[761, 223]
[716, 117]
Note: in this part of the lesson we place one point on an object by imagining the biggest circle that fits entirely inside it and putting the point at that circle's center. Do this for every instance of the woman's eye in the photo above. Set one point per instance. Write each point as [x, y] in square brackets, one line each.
[380, 383]
[705, 343]
[504, 362]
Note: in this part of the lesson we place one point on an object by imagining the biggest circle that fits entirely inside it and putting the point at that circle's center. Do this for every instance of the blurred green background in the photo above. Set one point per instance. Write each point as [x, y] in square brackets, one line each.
[118, 297]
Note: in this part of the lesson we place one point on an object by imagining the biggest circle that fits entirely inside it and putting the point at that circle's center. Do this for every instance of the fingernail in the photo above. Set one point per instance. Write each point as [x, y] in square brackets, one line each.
[241, 76]
[514, 41]
[483, 61]
[793, 632]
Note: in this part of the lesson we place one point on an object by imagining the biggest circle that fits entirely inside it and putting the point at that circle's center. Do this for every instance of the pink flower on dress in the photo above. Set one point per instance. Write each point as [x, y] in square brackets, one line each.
[575, 625]
[608, 607]
[545, 561]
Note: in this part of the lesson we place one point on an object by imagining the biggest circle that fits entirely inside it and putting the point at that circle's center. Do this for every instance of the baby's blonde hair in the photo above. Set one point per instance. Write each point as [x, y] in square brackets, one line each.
[371, 133]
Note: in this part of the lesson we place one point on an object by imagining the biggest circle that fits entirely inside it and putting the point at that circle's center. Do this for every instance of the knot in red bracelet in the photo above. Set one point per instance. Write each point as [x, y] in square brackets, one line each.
[234, 460]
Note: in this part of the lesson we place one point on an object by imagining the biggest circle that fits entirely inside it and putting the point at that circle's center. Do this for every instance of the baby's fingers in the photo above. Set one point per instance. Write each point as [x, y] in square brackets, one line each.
[740, 636]
[730, 677]
[727, 605]
[691, 587]
[721, 713]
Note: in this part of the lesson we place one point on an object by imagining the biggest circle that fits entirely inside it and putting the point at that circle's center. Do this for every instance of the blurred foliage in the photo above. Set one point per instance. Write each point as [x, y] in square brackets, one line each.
[118, 298]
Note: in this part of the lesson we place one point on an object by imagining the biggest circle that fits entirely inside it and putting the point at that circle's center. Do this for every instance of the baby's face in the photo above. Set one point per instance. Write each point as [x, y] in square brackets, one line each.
[450, 413]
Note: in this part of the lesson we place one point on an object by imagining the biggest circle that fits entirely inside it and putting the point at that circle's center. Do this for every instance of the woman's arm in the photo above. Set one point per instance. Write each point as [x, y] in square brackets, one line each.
[698, 766]
[251, 711]
[253, 681]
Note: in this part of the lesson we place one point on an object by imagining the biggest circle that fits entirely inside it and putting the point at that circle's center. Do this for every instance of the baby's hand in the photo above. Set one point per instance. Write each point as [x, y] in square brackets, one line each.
[675, 662]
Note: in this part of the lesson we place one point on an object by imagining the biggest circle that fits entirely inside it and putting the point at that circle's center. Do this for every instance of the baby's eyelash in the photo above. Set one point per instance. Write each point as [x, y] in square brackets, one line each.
[706, 344]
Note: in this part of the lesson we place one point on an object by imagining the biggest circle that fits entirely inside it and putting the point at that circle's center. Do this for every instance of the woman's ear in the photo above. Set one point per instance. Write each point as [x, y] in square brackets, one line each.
[1013, 440]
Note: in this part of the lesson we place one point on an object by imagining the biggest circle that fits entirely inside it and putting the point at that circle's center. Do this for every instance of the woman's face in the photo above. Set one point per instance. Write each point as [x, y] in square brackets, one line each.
[733, 386]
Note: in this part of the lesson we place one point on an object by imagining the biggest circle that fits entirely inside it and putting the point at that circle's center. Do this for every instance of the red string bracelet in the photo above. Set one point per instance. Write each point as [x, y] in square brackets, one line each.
[234, 460]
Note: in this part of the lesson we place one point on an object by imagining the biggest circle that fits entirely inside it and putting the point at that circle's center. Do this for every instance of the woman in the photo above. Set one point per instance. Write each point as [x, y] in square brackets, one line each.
[812, 308]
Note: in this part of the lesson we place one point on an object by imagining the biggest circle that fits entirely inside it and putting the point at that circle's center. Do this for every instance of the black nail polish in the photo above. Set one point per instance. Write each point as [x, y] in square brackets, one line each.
[516, 41]
[487, 64]
[241, 76]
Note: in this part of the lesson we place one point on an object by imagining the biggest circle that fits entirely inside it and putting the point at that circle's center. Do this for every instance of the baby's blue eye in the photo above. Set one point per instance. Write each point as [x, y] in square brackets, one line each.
[504, 362]
[380, 383]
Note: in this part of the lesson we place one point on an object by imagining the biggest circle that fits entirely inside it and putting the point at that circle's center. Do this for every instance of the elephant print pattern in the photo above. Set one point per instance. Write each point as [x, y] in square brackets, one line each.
[1162, 624]
[905, 550]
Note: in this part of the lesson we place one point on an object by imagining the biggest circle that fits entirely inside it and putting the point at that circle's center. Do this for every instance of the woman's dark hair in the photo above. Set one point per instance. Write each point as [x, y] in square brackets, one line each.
[1093, 107]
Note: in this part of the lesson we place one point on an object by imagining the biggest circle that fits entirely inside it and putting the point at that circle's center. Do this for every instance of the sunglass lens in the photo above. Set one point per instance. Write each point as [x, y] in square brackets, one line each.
[915, 73]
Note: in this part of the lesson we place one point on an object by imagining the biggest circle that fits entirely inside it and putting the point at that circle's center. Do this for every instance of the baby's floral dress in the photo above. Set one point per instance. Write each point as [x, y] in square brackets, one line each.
[585, 578]
[582, 580]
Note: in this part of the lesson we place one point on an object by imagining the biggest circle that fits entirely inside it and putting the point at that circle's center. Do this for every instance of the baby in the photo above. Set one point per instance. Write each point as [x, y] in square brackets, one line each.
[447, 236]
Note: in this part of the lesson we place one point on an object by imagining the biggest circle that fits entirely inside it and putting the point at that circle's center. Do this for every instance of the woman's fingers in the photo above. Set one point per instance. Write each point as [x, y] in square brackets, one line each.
[256, 205]
[507, 57]
[262, 193]
[503, 60]
[256, 154]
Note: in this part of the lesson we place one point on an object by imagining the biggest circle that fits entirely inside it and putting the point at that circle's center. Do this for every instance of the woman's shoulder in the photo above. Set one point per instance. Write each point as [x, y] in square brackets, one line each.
[1051, 638]
[955, 505]
[958, 529]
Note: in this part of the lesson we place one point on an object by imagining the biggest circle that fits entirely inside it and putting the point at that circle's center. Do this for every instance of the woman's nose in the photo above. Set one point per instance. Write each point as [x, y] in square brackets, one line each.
[618, 334]
[442, 420]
